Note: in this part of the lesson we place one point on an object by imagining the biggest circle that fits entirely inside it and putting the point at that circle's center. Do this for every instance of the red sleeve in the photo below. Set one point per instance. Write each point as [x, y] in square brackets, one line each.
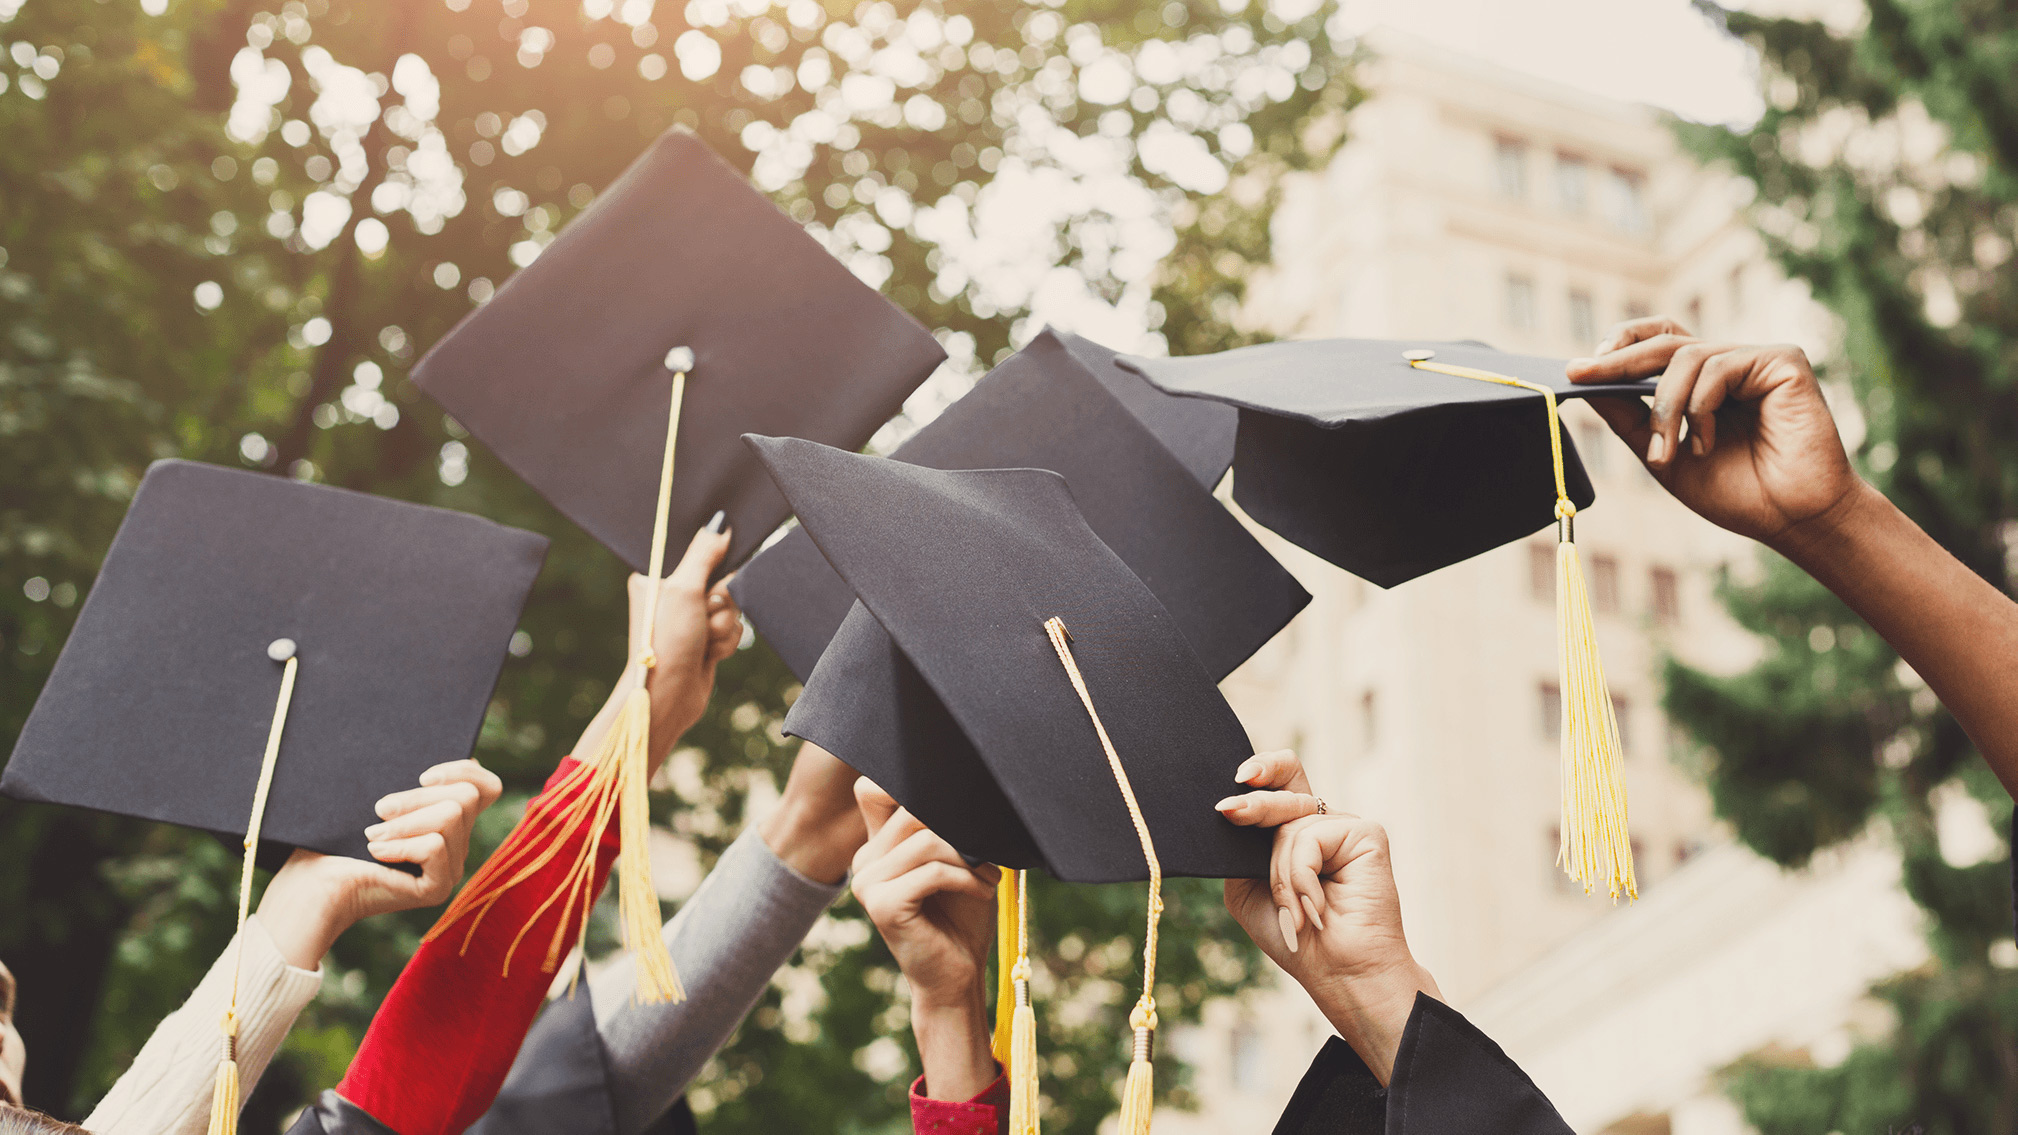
[985, 1114]
[438, 1049]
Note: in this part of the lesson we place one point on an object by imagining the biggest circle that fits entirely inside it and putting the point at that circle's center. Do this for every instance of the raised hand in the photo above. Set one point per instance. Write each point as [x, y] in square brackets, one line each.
[1329, 913]
[1762, 459]
[314, 898]
[937, 915]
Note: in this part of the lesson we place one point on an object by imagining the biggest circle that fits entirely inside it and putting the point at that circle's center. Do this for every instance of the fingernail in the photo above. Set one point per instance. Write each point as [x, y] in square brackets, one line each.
[715, 602]
[377, 849]
[1657, 449]
[1316, 915]
[374, 831]
[1228, 804]
[1248, 770]
[1579, 364]
[430, 777]
[1696, 444]
[718, 521]
[1288, 926]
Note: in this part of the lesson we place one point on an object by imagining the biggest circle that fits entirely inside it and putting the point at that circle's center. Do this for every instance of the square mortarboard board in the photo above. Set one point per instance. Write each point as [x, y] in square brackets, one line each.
[681, 263]
[1387, 469]
[1054, 405]
[161, 702]
[962, 570]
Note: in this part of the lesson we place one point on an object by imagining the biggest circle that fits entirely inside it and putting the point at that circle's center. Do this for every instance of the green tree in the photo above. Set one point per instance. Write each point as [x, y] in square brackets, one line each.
[1886, 169]
[228, 227]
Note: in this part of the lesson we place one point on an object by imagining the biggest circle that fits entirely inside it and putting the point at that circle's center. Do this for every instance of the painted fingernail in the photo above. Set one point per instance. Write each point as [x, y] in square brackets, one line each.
[1228, 804]
[1316, 915]
[1248, 770]
[1657, 449]
[1288, 925]
[718, 521]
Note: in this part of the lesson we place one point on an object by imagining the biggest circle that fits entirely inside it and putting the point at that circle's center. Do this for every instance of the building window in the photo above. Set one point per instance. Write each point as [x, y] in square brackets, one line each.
[1369, 719]
[1573, 191]
[1542, 572]
[1510, 167]
[1667, 596]
[1605, 584]
[1583, 319]
[1550, 701]
[1622, 715]
[1520, 303]
[1625, 204]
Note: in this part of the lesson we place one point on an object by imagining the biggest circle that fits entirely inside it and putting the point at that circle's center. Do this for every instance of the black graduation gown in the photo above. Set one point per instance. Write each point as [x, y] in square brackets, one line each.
[558, 1085]
[1449, 1079]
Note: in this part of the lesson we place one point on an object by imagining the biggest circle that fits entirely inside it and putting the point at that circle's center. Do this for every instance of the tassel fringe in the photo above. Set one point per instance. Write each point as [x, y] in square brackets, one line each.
[1597, 850]
[1138, 1093]
[224, 1092]
[611, 782]
[1023, 1057]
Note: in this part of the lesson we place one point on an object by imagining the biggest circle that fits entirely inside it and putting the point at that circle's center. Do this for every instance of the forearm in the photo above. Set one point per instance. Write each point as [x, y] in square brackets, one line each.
[166, 1090]
[954, 1036]
[1954, 628]
[745, 921]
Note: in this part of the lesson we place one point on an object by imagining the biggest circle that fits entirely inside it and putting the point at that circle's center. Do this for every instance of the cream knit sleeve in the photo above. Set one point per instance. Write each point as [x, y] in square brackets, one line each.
[167, 1090]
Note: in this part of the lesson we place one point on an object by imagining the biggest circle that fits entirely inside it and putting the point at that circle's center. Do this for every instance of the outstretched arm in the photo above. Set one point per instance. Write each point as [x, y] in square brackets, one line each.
[1763, 459]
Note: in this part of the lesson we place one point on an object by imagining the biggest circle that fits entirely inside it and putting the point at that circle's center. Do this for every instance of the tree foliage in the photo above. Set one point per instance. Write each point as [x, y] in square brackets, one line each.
[1886, 169]
[228, 228]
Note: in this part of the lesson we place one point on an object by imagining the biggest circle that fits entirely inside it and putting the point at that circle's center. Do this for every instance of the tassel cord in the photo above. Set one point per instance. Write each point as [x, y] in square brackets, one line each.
[224, 1097]
[1137, 1095]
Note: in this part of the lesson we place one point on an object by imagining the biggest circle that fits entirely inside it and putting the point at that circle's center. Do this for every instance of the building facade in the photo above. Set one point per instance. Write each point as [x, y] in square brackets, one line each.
[1475, 203]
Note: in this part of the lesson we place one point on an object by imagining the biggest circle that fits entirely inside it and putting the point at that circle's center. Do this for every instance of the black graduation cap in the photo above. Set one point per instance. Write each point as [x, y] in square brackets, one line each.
[679, 267]
[962, 570]
[1389, 469]
[1140, 463]
[161, 704]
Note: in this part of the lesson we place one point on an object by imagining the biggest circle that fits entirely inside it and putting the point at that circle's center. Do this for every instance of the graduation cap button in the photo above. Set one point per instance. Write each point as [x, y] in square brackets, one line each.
[679, 360]
[1418, 355]
[280, 649]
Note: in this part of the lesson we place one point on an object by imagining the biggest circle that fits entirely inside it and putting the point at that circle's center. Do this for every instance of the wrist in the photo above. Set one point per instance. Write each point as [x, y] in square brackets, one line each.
[1371, 1010]
[953, 1035]
[1835, 533]
[812, 838]
[302, 923]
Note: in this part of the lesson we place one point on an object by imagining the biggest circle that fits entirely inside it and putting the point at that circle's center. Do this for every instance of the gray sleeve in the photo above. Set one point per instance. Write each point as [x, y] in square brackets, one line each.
[744, 922]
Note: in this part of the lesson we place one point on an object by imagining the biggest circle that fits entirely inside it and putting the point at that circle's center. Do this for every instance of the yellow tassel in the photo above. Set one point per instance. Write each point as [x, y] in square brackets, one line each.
[1597, 849]
[1005, 961]
[611, 781]
[224, 1093]
[1138, 1094]
[1023, 1056]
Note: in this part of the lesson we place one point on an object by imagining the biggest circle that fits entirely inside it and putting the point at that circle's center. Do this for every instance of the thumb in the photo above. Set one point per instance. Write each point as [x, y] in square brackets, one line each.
[705, 553]
[877, 805]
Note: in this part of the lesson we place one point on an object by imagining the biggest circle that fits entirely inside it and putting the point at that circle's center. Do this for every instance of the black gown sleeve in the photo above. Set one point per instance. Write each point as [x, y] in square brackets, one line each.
[1449, 1079]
